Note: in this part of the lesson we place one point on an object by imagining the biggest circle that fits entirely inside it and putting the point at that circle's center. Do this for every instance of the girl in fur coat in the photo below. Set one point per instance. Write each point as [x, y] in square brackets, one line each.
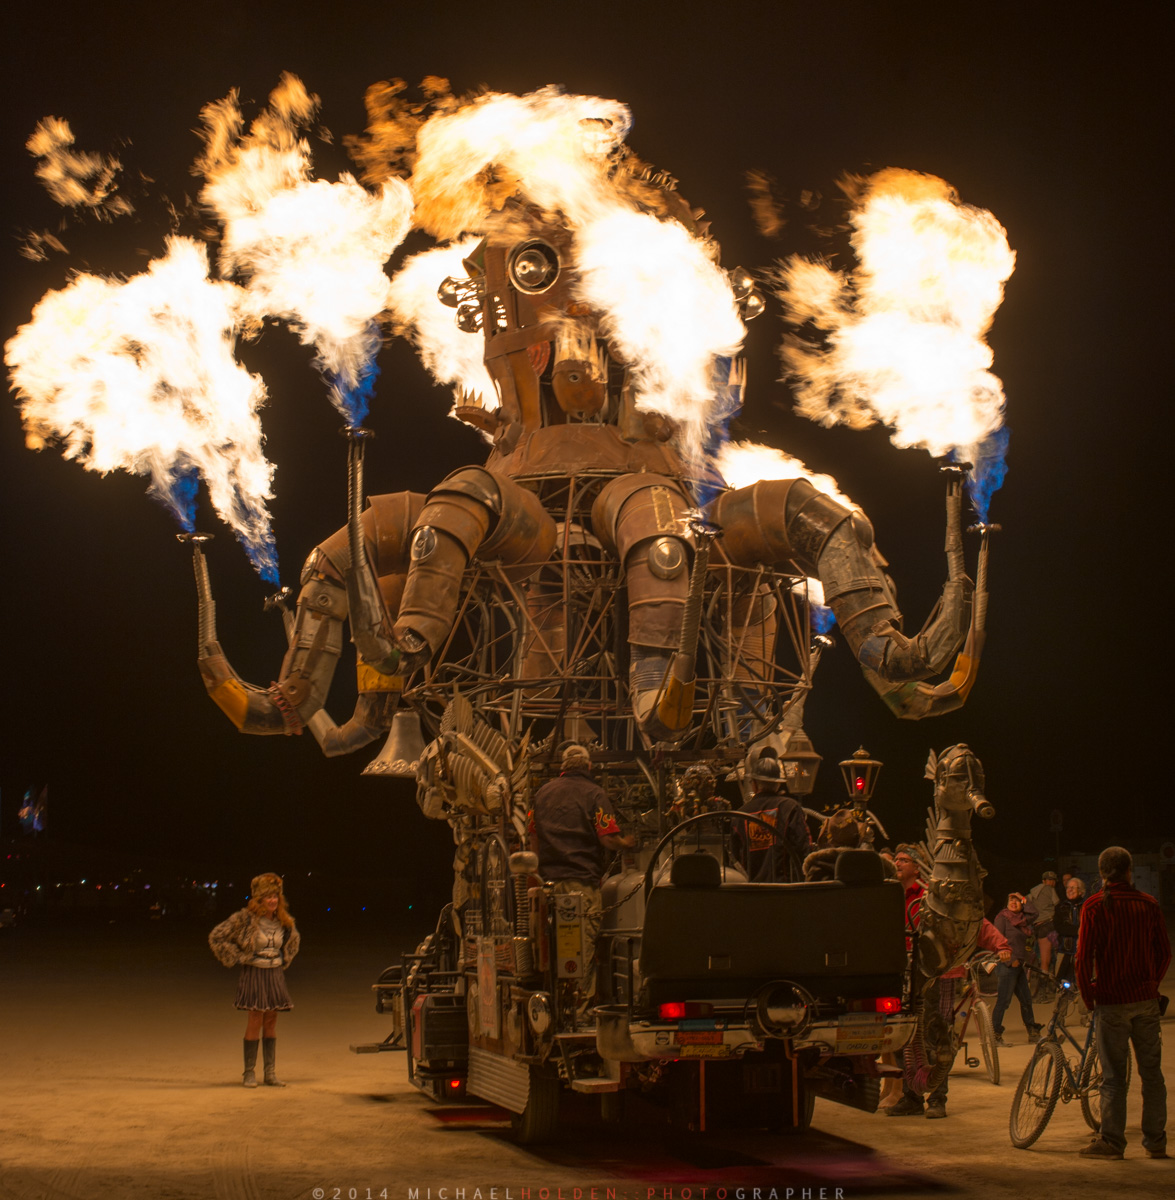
[262, 940]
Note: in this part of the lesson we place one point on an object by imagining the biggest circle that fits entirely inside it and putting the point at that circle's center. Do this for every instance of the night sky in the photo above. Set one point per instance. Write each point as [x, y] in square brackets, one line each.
[1053, 124]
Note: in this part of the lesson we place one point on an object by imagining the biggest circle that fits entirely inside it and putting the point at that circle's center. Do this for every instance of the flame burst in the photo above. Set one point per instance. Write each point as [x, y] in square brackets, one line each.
[75, 179]
[744, 463]
[904, 332]
[452, 357]
[311, 252]
[665, 305]
[139, 375]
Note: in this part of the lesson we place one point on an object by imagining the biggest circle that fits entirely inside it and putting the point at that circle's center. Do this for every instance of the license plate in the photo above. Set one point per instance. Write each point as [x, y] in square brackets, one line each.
[699, 1038]
[860, 1033]
[862, 1046]
[705, 1051]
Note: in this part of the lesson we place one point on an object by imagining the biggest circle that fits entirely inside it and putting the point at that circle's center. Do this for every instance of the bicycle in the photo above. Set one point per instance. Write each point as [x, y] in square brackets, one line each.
[1043, 986]
[1049, 1077]
[970, 1005]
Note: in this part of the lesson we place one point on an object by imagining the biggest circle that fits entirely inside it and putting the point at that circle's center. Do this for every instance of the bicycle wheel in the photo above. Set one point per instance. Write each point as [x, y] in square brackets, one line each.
[991, 1052]
[1036, 1094]
[1091, 1089]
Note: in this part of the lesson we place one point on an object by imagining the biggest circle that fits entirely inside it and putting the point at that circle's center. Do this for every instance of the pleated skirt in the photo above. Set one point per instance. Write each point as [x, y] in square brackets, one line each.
[262, 989]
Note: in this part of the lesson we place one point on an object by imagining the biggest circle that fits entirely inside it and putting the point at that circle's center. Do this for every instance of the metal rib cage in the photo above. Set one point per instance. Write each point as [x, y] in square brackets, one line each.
[573, 614]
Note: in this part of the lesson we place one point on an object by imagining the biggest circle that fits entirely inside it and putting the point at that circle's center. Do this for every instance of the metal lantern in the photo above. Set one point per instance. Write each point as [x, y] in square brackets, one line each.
[800, 763]
[860, 774]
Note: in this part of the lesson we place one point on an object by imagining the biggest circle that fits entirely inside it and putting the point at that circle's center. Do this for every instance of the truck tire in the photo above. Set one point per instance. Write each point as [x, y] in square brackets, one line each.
[539, 1120]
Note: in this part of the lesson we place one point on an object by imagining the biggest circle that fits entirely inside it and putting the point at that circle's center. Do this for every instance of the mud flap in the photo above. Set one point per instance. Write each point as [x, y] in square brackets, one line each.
[501, 1081]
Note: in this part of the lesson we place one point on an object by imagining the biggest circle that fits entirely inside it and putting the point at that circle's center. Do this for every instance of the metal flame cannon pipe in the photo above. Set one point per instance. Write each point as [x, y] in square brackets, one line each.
[370, 628]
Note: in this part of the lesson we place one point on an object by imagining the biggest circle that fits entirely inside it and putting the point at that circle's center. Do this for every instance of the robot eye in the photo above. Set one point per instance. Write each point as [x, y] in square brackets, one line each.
[666, 558]
[534, 266]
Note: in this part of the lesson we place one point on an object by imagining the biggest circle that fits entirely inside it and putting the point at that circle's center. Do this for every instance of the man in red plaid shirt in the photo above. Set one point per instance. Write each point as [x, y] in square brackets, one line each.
[1122, 955]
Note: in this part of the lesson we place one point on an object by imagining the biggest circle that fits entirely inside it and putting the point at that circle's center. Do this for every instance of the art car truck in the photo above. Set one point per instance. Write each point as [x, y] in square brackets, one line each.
[718, 998]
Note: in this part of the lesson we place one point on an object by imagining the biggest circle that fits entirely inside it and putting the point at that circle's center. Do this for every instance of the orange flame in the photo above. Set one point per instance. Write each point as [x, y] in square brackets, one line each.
[74, 178]
[663, 302]
[744, 463]
[139, 375]
[904, 332]
[453, 357]
[311, 252]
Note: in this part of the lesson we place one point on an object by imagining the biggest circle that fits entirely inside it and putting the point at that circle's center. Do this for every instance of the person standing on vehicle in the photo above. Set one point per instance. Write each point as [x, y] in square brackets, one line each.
[776, 854]
[572, 828]
[1123, 952]
[1044, 899]
[1012, 977]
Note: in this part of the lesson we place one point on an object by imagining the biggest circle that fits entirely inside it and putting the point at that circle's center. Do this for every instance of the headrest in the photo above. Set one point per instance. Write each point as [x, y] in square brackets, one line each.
[695, 870]
[859, 866]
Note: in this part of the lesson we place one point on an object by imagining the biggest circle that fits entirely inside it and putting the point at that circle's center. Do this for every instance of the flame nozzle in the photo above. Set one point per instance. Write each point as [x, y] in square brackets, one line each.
[194, 539]
[279, 599]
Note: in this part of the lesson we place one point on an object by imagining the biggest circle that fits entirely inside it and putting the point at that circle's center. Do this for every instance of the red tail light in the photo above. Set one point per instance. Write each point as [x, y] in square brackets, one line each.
[677, 1011]
[888, 1004]
[454, 1085]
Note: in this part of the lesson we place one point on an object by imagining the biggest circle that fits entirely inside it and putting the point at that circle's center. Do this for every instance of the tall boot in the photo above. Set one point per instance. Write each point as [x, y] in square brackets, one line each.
[249, 1078]
[269, 1054]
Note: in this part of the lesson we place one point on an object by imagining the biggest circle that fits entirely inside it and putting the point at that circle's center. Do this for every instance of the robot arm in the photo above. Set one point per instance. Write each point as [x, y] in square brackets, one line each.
[780, 521]
[296, 700]
[473, 513]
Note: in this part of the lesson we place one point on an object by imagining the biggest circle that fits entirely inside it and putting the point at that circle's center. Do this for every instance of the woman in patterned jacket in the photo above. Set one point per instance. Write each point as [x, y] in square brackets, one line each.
[262, 940]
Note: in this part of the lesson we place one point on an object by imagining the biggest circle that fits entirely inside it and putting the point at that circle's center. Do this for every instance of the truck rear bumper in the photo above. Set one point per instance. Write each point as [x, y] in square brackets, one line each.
[624, 1039]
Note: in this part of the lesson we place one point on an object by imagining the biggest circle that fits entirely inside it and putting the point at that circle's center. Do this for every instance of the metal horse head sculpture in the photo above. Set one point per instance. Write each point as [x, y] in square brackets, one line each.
[951, 910]
[953, 907]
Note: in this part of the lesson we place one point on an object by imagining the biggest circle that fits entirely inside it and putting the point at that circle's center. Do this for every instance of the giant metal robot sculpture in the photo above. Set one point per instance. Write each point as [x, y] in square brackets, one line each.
[576, 586]
[952, 908]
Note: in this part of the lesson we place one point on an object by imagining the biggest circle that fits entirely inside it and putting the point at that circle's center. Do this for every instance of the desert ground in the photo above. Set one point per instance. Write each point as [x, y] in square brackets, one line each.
[120, 1058]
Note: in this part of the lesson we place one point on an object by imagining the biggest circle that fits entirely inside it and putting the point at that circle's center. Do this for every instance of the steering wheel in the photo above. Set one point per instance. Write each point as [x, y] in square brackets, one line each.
[667, 840]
